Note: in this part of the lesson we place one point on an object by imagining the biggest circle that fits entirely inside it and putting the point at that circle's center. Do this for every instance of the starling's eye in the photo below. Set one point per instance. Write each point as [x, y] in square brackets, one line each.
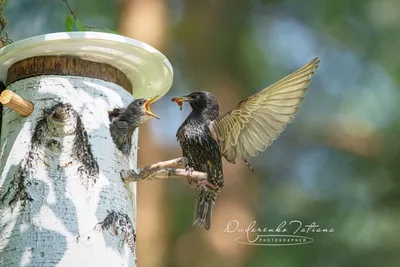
[195, 97]
[141, 102]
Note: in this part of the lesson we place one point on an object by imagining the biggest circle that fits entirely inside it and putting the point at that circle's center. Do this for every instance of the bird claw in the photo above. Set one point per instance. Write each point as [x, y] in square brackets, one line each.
[189, 171]
[193, 183]
[204, 184]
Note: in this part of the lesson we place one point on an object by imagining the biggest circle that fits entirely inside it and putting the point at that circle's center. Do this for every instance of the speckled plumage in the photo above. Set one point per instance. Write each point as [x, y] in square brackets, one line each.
[204, 155]
[251, 127]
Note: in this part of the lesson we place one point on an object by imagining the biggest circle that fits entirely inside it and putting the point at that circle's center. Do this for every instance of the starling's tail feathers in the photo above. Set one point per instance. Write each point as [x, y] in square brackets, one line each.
[203, 209]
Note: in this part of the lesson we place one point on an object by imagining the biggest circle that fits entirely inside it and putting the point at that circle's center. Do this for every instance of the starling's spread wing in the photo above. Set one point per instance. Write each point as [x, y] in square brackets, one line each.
[258, 120]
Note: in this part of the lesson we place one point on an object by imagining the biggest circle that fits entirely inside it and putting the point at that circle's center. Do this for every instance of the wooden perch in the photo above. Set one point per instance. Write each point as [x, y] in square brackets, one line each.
[162, 170]
[179, 173]
[15, 102]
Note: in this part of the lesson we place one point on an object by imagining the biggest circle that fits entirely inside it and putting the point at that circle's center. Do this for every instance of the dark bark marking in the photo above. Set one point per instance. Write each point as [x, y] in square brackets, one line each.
[119, 222]
[81, 152]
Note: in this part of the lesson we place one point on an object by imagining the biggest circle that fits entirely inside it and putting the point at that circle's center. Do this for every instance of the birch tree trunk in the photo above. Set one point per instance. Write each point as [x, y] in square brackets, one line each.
[62, 202]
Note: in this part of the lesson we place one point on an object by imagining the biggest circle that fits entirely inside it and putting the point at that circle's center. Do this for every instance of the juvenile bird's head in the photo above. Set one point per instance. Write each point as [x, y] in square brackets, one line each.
[201, 102]
[125, 121]
[138, 112]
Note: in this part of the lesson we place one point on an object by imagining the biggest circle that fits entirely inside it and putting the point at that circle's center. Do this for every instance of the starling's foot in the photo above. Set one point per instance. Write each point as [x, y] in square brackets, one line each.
[204, 184]
[189, 171]
[194, 185]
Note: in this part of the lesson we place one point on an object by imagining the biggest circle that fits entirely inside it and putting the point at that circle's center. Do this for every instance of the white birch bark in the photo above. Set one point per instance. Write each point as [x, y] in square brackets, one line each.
[62, 201]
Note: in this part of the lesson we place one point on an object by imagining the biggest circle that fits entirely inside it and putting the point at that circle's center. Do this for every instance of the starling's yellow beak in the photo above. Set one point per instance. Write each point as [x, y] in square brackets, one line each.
[147, 107]
[180, 99]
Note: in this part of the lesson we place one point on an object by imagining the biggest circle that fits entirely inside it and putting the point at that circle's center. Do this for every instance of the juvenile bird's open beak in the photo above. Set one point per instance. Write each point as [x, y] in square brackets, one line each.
[147, 107]
[180, 99]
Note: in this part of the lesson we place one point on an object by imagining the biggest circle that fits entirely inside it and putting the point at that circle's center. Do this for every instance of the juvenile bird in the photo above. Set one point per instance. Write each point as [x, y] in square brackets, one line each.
[252, 126]
[125, 121]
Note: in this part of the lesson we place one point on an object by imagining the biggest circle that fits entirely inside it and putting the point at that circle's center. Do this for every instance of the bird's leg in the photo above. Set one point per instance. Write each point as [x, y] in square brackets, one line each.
[203, 184]
[189, 171]
[249, 166]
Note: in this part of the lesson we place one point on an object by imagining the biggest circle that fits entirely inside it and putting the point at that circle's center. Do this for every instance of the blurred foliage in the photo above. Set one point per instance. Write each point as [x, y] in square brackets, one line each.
[336, 164]
[73, 23]
[4, 40]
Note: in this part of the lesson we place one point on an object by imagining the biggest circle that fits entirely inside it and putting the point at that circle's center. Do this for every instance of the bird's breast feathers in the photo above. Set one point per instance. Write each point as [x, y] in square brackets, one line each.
[195, 133]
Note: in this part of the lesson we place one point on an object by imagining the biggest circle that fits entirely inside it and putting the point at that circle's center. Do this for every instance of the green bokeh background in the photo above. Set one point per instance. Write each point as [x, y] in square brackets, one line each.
[337, 164]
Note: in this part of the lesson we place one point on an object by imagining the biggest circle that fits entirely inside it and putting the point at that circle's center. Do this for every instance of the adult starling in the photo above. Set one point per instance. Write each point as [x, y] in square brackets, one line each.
[125, 121]
[249, 128]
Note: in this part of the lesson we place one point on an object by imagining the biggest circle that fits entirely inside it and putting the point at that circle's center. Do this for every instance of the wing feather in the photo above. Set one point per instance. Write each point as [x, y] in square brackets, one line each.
[258, 120]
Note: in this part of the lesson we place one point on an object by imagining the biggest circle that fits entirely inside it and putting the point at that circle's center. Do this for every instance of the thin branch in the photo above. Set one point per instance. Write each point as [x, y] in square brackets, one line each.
[162, 170]
[81, 26]
[69, 7]
[149, 170]
[179, 173]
